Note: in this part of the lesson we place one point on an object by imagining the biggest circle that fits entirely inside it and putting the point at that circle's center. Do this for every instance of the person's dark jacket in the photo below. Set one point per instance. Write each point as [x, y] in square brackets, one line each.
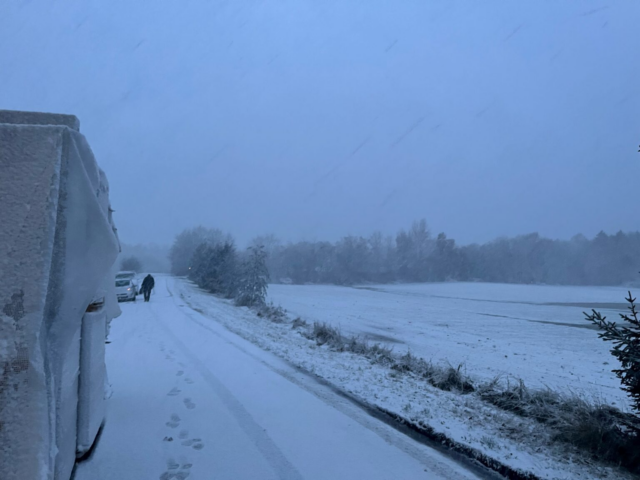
[148, 283]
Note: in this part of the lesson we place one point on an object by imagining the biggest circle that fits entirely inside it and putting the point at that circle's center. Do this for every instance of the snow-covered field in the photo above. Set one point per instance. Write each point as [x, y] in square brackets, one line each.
[537, 333]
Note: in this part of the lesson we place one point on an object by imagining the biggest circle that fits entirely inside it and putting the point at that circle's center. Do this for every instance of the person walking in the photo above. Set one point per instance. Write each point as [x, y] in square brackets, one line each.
[147, 285]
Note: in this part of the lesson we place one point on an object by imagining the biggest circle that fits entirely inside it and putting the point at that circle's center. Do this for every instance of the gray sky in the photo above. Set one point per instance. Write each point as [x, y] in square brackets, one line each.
[314, 119]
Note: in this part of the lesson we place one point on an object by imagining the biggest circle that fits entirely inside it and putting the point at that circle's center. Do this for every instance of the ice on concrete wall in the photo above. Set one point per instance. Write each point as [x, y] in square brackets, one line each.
[57, 246]
[91, 388]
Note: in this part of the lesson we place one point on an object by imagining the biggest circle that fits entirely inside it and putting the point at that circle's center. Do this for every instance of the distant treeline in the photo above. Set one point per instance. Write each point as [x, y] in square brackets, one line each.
[152, 257]
[414, 255]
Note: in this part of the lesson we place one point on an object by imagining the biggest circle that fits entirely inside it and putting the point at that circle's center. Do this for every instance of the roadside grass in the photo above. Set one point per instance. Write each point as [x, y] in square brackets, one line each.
[604, 433]
[325, 334]
[297, 323]
[275, 313]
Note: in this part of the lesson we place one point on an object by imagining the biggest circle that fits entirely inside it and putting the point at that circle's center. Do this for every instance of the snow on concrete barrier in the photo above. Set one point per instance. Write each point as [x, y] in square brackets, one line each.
[57, 247]
[91, 405]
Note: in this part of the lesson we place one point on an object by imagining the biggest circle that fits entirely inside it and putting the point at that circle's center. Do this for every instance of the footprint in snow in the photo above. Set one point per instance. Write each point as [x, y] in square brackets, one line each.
[174, 391]
[180, 373]
[189, 404]
[179, 475]
[188, 380]
[174, 422]
[195, 443]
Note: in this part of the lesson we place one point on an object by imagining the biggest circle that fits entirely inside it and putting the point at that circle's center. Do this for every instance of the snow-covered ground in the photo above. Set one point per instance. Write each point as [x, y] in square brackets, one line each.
[537, 333]
[193, 400]
[521, 444]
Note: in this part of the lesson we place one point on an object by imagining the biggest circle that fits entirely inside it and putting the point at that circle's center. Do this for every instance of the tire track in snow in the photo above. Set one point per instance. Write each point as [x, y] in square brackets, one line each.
[338, 398]
[269, 450]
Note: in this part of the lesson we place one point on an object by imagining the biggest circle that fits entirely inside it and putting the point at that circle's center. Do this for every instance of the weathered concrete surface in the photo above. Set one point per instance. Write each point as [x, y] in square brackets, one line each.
[57, 244]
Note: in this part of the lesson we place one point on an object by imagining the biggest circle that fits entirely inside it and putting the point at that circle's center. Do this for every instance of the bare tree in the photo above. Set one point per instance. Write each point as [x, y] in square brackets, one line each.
[131, 264]
[186, 243]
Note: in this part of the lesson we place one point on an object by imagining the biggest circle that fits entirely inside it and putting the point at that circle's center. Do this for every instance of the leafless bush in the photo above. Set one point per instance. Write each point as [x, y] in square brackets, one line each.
[325, 334]
[272, 312]
[449, 378]
[298, 323]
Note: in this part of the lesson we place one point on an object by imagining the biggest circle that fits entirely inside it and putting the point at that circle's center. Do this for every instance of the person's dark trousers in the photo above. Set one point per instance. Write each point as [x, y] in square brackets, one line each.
[147, 294]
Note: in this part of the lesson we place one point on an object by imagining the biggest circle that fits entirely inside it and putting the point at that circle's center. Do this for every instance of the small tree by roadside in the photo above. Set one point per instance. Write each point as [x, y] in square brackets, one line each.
[626, 347]
[131, 264]
[214, 268]
[254, 279]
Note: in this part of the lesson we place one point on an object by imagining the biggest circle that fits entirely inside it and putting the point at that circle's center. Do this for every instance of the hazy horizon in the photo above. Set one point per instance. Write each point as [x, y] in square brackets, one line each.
[316, 121]
[247, 242]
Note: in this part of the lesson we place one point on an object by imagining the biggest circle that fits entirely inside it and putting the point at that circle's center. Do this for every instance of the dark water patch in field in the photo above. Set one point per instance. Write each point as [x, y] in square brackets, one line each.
[590, 305]
[563, 324]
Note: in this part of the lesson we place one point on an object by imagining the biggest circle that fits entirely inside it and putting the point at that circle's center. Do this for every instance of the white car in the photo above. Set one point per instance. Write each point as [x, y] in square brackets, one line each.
[126, 290]
[129, 276]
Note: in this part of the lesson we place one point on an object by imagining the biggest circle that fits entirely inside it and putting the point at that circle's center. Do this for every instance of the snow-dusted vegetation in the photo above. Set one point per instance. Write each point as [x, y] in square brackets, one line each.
[537, 333]
[513, 428]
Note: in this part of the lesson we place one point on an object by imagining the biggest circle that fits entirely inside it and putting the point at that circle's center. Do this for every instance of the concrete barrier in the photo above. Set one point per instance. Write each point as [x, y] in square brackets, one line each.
[57, 247]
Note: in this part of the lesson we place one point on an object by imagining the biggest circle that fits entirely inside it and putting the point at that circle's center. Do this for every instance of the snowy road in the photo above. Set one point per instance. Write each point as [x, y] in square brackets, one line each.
[193, 400]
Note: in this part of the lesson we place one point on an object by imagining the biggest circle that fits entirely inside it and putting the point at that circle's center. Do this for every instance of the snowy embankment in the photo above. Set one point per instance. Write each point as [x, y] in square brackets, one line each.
[536, 333]
[519, 443]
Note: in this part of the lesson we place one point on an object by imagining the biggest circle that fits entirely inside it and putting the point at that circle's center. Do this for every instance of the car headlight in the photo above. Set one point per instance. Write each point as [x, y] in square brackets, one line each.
[128, 289]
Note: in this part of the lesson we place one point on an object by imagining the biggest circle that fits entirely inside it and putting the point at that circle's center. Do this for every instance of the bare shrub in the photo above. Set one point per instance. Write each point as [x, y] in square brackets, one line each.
[272, 312]
[298, 323]
[449, 379]
[132, 264]
[325, 334]
[381, 354]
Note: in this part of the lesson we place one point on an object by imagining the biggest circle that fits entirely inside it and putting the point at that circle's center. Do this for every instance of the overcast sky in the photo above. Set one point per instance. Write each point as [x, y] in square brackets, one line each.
[315, 119]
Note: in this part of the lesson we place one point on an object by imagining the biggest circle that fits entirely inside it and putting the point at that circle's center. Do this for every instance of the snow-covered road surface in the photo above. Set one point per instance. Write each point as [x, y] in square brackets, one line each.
[193, 400]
